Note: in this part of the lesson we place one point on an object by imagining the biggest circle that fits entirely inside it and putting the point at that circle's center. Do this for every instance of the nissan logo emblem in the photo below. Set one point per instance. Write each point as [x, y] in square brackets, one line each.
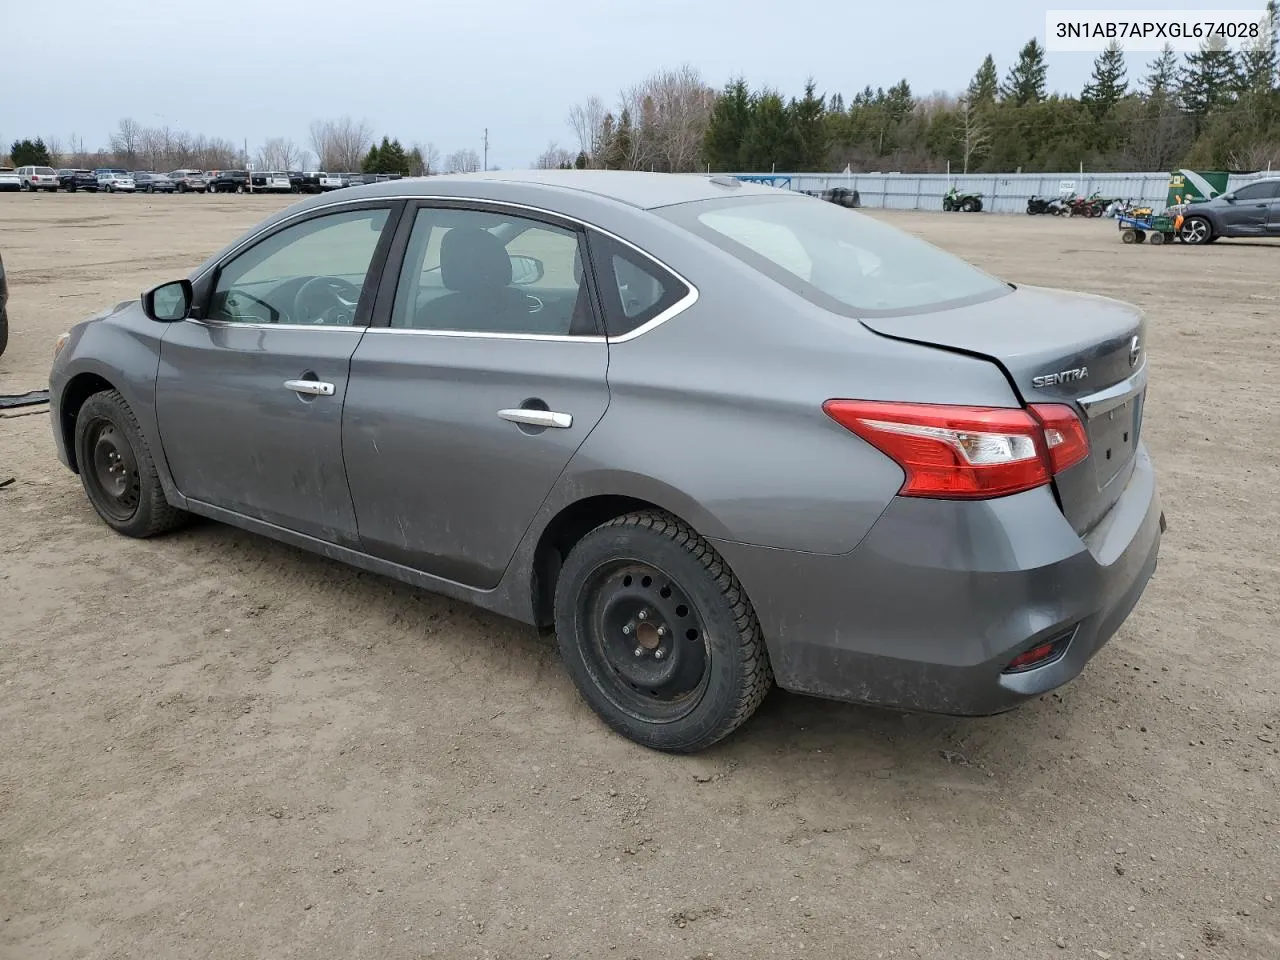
[1135, 351]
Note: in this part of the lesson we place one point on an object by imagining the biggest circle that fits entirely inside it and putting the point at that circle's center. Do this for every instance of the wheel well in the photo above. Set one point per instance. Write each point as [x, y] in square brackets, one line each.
[80, 389]
[568, 527]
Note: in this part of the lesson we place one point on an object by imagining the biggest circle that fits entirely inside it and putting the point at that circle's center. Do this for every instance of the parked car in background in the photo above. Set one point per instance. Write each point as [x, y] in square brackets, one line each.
[330, 181]
[38, 178]
[113, 180]
[72, 180]
[10, 182]
[296, 179]
[466, 384]
[1252, 210]
[271, 181]
[189, 181]
[148, 182]
[229, 181]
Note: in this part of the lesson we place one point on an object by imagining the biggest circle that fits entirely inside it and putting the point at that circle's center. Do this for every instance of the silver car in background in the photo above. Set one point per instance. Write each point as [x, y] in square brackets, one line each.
[713, 434]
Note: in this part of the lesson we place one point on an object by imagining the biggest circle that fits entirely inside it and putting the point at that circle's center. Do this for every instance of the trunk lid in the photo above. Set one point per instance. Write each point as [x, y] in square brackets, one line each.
[1057, 347]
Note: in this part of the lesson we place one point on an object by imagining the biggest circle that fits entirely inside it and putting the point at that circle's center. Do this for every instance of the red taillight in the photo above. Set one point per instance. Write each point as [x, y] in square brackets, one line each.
[958, 452]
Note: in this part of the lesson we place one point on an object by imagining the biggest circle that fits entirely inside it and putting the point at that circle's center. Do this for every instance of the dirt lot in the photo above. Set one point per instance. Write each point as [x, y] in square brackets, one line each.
[215, 746]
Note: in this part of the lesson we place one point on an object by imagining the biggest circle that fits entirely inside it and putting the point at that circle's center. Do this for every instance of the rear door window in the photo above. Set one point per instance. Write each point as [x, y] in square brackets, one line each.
[635, 289]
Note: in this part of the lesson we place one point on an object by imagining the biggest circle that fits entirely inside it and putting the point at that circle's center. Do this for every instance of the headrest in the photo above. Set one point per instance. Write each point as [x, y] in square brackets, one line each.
[472, 259]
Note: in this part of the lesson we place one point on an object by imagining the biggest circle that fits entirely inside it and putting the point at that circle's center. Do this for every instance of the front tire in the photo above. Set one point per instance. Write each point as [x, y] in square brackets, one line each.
[658, 634]
[1196, 230]
[117, 470]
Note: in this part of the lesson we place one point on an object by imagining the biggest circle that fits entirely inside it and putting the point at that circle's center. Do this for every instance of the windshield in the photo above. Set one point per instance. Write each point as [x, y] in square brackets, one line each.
[45, 170]
[839, 259]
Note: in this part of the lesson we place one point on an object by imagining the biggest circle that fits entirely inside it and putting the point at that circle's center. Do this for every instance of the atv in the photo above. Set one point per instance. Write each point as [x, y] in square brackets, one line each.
[964, 202]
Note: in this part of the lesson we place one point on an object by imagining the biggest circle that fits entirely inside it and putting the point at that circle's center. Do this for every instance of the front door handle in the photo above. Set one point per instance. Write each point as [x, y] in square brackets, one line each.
[316, 388]
[537, 418]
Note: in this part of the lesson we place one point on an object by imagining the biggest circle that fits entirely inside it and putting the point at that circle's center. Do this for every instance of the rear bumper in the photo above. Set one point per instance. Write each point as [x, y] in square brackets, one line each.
[926, 613]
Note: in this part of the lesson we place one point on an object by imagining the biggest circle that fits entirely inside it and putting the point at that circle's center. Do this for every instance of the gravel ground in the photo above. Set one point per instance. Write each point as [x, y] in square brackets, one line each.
[212, 745]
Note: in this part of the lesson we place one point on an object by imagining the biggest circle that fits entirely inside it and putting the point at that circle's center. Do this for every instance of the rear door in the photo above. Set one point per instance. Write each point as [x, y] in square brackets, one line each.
[250, 391]
[482, 374]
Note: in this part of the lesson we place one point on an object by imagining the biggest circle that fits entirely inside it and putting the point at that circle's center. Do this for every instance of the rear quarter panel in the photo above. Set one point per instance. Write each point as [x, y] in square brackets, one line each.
[717, 413]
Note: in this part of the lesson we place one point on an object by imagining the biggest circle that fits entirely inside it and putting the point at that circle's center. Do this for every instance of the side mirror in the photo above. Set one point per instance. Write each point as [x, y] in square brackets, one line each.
[169, 302]
[526, 270]
[1229, 197]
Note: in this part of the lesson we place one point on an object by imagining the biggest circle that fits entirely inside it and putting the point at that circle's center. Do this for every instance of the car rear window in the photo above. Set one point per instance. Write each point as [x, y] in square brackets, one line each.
[835, 257]
[44, 170]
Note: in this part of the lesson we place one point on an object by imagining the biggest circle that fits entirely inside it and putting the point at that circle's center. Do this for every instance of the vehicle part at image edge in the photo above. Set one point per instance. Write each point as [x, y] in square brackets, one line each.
[646, 588]
[117, 471]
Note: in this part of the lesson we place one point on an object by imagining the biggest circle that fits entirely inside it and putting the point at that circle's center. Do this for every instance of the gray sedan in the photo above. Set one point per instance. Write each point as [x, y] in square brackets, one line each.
[714, 435]
[1252, 210]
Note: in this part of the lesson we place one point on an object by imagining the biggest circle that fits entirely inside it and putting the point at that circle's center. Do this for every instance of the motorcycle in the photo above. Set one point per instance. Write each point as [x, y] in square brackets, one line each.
[1052, 206]
[1090, 206]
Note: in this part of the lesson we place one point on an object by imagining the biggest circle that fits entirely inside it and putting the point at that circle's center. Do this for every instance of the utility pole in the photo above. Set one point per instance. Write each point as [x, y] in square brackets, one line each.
[486, 148]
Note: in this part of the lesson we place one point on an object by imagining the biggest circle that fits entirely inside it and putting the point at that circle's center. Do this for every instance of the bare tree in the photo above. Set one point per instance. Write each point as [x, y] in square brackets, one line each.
[278, 153]
[554, 157]
[321, 143]
[587, 120]
[974, 134]
[341, 144]
[54, 146]
[430, 155]
[125, 141]
[670, 111]
[462, 161]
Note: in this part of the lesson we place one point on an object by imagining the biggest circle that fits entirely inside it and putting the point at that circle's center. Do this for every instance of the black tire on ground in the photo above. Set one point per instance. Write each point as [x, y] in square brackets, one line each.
[716, 668]
[1196, 230]
[4, 330]
[211, 189]
[117, 470]
[1142, 236]
[1157, 238]
[239, 188]
[1128, 236]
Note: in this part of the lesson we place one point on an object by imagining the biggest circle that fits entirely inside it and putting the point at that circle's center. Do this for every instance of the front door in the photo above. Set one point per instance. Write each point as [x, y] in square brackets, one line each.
[249, 394]
[470, 395]
[1248, 212]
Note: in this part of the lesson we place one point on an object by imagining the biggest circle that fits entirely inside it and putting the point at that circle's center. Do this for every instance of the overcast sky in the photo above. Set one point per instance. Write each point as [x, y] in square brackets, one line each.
[443, 70]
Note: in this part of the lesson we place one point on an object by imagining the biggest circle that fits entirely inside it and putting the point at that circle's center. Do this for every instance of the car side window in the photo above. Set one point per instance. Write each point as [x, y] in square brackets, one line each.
[635, 289]
[477, 271]
[309, 273]
[1257, 191]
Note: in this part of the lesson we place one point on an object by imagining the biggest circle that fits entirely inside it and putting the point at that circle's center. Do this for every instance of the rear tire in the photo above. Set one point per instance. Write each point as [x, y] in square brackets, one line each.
[117, 470]
[1128, 236]
[658, 634]
[4, 329]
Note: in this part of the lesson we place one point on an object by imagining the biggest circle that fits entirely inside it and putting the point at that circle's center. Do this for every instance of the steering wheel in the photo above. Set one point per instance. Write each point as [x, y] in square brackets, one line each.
[326, 300]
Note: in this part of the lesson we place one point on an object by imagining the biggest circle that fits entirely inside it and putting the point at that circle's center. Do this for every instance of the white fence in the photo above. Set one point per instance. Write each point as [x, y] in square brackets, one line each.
[1001, 193]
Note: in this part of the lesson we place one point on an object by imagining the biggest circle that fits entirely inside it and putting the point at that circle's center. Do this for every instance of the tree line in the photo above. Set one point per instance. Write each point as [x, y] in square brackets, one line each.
[1212, 108]
[339, 145]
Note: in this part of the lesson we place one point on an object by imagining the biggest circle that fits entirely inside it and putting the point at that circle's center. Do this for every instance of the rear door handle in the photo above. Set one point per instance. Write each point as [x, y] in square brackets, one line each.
[316, 388]
[537, 418]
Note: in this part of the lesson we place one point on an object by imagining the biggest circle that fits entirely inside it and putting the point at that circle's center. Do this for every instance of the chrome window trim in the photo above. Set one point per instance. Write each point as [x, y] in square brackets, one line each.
[677, 308]
[247, 325]
[1117, 395]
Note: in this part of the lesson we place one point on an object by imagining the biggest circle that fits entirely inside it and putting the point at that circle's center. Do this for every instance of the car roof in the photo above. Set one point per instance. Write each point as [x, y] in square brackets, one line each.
[635, 188]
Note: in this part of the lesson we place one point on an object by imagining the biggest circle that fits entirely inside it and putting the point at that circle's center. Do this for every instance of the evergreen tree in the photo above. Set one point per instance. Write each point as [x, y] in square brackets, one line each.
[1209, 79]
[417, 164]
[1162, 78]
[985, 84]
[1025, 82]
[808, 131]
[836, 104]
[372, 161]
[769, 137]
[1258, 58]
[581, 161]
[898, 102]
[730, 117]
[26, 153]
[623, 140]
[1109, 83]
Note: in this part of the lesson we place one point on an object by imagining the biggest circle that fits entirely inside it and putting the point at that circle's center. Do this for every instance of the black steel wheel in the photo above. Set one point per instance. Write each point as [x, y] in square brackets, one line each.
[658, 634]
[117, 470]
